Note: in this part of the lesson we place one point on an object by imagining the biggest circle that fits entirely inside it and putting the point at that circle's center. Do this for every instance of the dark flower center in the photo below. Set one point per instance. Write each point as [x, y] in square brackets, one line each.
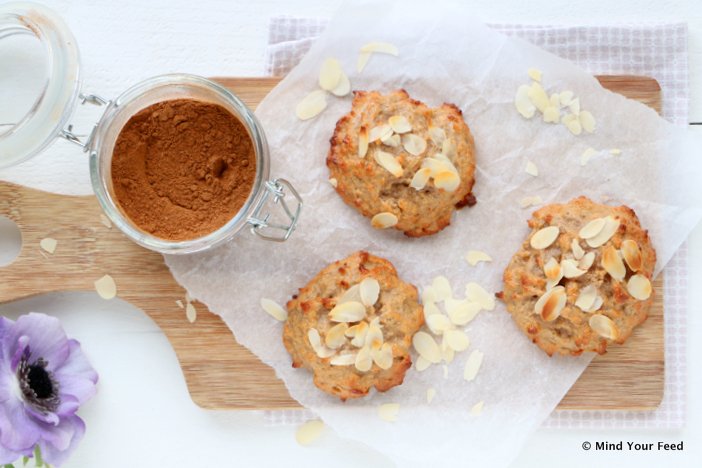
[39, 381]
[38, 385]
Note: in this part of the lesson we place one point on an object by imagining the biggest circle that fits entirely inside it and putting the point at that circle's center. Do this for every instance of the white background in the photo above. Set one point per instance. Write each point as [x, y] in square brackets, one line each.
[143, 415]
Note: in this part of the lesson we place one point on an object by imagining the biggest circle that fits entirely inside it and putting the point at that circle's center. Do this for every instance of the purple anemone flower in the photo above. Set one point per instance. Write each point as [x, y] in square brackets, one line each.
[44, 378]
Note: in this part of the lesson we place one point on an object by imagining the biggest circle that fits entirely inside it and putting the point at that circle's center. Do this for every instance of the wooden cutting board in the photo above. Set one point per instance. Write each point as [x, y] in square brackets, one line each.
[220, 373]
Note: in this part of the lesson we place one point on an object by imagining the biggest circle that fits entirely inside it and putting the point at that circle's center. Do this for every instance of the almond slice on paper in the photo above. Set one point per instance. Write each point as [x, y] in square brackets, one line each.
[437, 135]
[578, 251]
[343, 87]
[420, 179]
[604, 326]
[353, 294]
[531, 169]
[610, 228]
[384, 220]
[477, 293]
[333, 182]
[586, 262]
[447, 180]
[592, 228]
[612, 263]
[572, 123]
[345, 359]
[400, 124]
[364, 361]
[430, 309]
[431, 393]
[477, 409]
[438, 323]
[422, 364]
[473, 364]
[383, 356]
[369, 291]
[428, 295]
[534, 74]
[574, 106]
[473, 257]
[551, 303]
[552, 114]
[381, 131]
[639, 287]
[586, 298]
[427, 348]
[348, 312]
[388, 162]
[460, 312]
[311, 105]
[530, 201]
[381, 48]
[522, 102]
[274, 309]
[587, 155]
[570, 268]
[565, 97]
[330, 74]
[587, 121]
[414, 144]
[389, 411]
[106, 287]
[538, 96]
[555, 101]
[632, 254]
[48, 244]
[442, 288]
[457, 340]
[544, 237]
[309, 432]
[190, 312]
[363, 141]
[363, 58]
[336, 337]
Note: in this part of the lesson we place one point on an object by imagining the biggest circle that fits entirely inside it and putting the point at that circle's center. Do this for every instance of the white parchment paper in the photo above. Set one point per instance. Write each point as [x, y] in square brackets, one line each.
[446, 56]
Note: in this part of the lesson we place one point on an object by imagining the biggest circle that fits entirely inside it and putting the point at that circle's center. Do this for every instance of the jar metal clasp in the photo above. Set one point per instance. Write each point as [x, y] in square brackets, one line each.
[68, 134]
[275, 192]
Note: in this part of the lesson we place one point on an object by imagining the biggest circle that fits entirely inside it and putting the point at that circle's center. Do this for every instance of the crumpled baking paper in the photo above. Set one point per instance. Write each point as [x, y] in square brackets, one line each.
[446, 55]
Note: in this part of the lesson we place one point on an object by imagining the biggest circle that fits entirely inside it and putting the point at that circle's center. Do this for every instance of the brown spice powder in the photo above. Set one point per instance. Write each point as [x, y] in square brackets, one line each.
[182, 168]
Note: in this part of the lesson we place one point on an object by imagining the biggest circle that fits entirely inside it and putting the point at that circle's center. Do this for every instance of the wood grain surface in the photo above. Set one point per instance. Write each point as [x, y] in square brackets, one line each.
[220, 373]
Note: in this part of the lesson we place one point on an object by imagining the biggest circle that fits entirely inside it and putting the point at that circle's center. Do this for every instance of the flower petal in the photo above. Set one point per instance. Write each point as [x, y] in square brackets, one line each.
[76, 377]
[18, 431]
[46, 338]
[8, 456]
[56, 456]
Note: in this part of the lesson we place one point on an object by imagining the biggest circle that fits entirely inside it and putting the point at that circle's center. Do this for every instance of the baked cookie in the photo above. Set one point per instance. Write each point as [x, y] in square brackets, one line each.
[582, 278]
[401, 163]
[352, 326]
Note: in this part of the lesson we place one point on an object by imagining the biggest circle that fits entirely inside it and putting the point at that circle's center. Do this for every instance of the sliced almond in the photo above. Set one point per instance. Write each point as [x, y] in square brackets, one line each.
[612, 263]
[572, 124]
[374, 337]
[555, 100]
[316, 342]
[431, 393]
[473, 364]
[460, 312]
[422, 364]
[632, 254]
[570, 268]
[544, 237]
[447, 353]
[610, 228]
[477, 409]
[538, 96]
[389, 411]
[586, 298]
[381, 48]
[400, 124]
[639, 287]
[437, 135]
[530, 201]
[364, 360]
[392, 140]
[522, 102]
[345, 359]
[381, 131]
[414, 144]
[457, 340]
[477, 293]
[274, 309]
[553, 270]
[473, 257]
[442, 288]
[420, 179]
[438, 323]
[578, 251]
[330, 74]
[333, 182]
[587, 155]
[106, 287]
[363, 141]
[552, 114]
[592, 228]
[383, 220]
[430, 309]
[587, 121]
[446, 371]
[363, 58]
[348, 312]
[448, 149]
[604, 326]
[565, 97]
[574, 106]
[336, 337]
[447, 180]
[190, 312]
[597, 304]
[427, 348]
[360, 331]
[383, 356]
[388, 162]
[428, 295]
[343, 87]
[586, 262]
[311, 105]
[534, 74]
[551, 304]
[309, 432]
[48, 244]
[438, 165]
[179, 303]
[353, 294]
[531, 169]
[369, 291]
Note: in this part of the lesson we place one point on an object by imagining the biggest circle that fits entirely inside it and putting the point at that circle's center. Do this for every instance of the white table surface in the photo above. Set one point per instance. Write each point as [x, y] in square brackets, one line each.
[143, 415]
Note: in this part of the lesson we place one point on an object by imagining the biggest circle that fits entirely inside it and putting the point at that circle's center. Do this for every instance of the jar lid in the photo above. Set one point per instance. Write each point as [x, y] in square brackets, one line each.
[47, 117]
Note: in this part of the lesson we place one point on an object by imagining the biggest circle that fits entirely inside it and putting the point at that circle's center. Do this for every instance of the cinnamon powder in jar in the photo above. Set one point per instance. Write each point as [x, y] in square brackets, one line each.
[182, 168]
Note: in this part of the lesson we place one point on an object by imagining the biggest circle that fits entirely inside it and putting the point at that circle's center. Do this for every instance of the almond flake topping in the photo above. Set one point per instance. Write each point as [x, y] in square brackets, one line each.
[544, 237]
[632, 254]
[333, 182]
[353, 294]
[447, 180]
[477, 293]
[473, 365]
[587, 261]
[400, 124]
[309, 432]
[604, 326]
[381, 131]
[530, 201]
[538, 96]
[414, 144]
[316, 342]
[345, 359]
[522, 102]
[383, 220]
[586, 298]
[612, 263]
[587, 121]
[570, 268]
[274, 309]
[374, 337]
[592, 228]
[550, 305]
[442, 288]
[330, 74]
[461, 312]
[336, 336]
[383, 356]
[610, 227]
[427, 348]
[358, 332]
[477, 409]
[437, 165]
[364, 361]
[437, 135]
[438, 323]
[431, 393]
[392, 140]
[420, 179]
[363, 141]
[311, 105]
[369, 291]
[596, 305]
[639, 287]
[476, 256]
[48, 244]
[343, 87]
[531, 169]
[388, 162]
[389, 411]
[457, 340]
[348, 312]
[106, 287]
[553, 270]
[578, 251]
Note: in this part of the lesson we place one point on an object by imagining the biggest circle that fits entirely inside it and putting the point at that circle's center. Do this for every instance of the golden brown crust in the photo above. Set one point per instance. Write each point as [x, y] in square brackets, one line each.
[363, 184]
[397, 307]
[525, 281]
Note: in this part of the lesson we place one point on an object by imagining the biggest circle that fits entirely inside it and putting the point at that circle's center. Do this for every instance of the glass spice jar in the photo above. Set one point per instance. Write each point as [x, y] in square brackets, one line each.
[48, 119]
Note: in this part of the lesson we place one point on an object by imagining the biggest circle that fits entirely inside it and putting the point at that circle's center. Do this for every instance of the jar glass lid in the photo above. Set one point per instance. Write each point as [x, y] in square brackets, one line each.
[39, 79]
